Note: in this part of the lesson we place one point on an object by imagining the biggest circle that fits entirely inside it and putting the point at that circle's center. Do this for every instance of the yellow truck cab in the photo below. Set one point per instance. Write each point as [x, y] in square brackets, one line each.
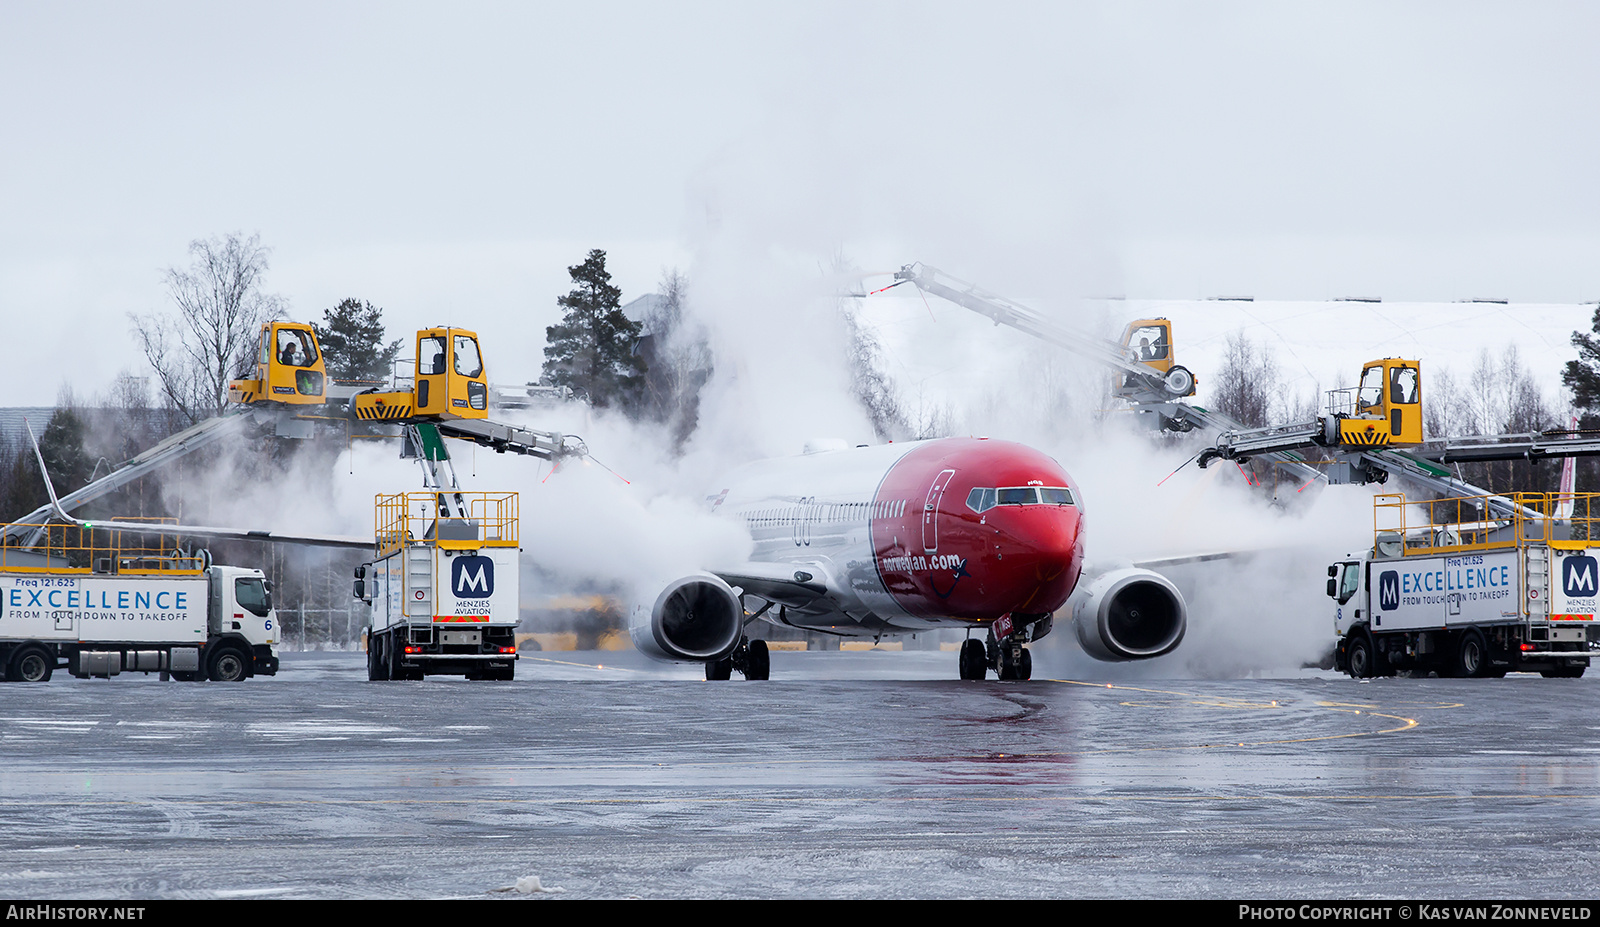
[1149, 342]
[289, 368]
[1385, 410]
[449, 383]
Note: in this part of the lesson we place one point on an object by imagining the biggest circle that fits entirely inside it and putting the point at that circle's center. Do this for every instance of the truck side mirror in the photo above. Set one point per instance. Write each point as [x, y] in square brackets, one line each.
[1333, 588]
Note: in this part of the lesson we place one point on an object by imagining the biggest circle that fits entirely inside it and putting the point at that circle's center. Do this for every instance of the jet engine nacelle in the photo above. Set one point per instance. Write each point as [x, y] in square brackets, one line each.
[695, 619]
[1129, 614]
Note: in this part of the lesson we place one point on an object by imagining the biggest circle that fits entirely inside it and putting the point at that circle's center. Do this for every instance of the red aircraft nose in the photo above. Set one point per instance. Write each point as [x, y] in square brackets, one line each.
[1037, 557]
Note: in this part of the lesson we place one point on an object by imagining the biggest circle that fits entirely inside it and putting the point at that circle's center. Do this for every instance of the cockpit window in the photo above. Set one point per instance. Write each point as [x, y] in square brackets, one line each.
[982, 500]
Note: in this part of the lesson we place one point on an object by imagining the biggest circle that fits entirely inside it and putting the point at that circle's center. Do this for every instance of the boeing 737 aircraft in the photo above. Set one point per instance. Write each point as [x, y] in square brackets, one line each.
[860, 542]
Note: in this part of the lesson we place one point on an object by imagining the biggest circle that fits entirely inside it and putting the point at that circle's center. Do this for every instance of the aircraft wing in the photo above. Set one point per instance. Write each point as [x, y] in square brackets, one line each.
[796, 586]
[1164, 562]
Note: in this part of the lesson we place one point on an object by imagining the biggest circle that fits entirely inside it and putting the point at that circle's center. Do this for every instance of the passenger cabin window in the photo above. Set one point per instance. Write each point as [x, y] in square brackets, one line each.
[468, 363]
[430, 355]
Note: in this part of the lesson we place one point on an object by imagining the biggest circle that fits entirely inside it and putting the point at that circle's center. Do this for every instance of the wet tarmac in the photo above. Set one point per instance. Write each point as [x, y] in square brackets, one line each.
[847, 775]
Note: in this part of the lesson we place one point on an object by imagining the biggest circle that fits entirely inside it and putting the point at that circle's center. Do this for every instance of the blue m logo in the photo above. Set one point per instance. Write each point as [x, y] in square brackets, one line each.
[472, 577]
[1389, 590]
[1578, 577]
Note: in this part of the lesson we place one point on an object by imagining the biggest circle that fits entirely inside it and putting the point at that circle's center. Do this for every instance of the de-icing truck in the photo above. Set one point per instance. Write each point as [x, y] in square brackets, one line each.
[101, 609]
[1477, 586]
[443, 588]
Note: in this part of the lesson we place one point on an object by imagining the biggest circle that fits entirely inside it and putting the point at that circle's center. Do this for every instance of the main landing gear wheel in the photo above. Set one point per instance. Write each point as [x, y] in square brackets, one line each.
[750, 658]
[974, 661]
[757, 662]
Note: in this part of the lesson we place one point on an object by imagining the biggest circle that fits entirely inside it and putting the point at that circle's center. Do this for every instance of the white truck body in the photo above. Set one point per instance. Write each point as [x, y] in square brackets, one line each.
[1426, 593]
[182, 623]
[442, 611]
[1522, 608]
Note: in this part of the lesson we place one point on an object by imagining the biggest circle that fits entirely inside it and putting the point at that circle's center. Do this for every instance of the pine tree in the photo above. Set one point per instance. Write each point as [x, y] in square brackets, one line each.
[61, 445]
[593, 349]
[1582, 376]
[352, 341]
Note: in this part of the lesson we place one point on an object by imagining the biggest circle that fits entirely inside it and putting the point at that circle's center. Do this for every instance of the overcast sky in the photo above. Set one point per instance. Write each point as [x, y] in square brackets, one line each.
[448, 161]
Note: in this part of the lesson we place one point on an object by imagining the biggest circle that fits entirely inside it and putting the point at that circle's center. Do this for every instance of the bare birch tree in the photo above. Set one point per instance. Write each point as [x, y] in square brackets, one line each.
[219, 307]
[1244, 388]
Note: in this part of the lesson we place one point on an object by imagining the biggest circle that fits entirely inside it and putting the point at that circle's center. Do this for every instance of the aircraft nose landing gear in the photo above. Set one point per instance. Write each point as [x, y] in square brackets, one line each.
[1015, 661]
[1008, 658]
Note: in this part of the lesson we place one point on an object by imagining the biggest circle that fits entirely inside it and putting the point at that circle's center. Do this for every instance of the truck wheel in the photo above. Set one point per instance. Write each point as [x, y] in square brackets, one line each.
[1472, 655]
[228, 665]
[1358, 654]
[377, 665]
[394, 666]
[1563, 672]
[31, 664]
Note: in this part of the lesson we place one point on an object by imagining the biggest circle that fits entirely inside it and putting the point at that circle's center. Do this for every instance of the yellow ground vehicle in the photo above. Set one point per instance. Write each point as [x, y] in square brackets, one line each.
[289, 368]
[449, 382]
[1149, 342]
[1384, 411]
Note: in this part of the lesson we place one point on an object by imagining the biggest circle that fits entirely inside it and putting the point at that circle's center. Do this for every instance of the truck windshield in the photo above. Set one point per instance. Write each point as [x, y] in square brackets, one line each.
[430, 355]
[252, 595]
[1348, 582]
[468, 363]
[1370, 393]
